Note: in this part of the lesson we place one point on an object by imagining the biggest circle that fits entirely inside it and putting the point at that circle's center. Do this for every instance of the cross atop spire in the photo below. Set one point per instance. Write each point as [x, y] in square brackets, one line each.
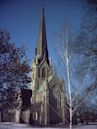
[41, 49]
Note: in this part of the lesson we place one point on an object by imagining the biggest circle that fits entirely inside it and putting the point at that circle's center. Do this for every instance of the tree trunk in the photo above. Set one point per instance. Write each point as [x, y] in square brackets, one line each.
[69, 88]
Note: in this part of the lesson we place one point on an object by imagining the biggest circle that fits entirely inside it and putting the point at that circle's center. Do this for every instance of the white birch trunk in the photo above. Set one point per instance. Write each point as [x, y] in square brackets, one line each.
[70, 99]
[67, 58]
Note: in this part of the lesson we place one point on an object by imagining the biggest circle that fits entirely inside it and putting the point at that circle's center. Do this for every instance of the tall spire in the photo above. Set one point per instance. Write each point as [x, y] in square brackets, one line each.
[41, 49]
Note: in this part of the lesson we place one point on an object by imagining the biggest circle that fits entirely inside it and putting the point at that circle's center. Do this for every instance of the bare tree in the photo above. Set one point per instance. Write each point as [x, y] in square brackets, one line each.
[14, 70]
[63, 49]
[86, 44]
[75, 99]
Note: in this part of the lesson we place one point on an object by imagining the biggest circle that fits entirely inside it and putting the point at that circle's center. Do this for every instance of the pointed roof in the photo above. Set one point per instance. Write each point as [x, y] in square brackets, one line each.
[41, 49]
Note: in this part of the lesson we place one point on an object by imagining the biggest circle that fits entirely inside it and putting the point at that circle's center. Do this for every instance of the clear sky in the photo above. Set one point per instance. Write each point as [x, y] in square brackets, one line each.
[21, 18]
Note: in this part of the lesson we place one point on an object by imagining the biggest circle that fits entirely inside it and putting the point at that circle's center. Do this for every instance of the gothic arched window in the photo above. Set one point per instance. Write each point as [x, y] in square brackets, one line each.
[57, 95]
[43, 72]
[38, 72]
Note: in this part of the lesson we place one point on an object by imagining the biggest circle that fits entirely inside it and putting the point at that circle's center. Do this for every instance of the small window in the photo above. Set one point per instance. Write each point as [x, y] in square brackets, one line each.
[35, 116]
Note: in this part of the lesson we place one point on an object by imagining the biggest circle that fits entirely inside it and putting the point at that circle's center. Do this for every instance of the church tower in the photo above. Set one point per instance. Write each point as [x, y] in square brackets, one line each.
[41, 70]
[47, 88]
[41, 67]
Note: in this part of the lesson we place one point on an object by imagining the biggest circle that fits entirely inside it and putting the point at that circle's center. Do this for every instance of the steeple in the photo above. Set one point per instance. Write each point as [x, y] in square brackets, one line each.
[41, 50]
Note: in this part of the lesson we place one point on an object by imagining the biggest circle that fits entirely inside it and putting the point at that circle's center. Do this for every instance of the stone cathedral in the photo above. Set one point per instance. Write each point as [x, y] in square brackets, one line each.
[47, 88]
[44, 103]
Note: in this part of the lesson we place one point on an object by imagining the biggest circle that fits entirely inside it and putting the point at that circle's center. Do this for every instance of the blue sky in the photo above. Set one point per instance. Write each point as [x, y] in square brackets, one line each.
[21, 18]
